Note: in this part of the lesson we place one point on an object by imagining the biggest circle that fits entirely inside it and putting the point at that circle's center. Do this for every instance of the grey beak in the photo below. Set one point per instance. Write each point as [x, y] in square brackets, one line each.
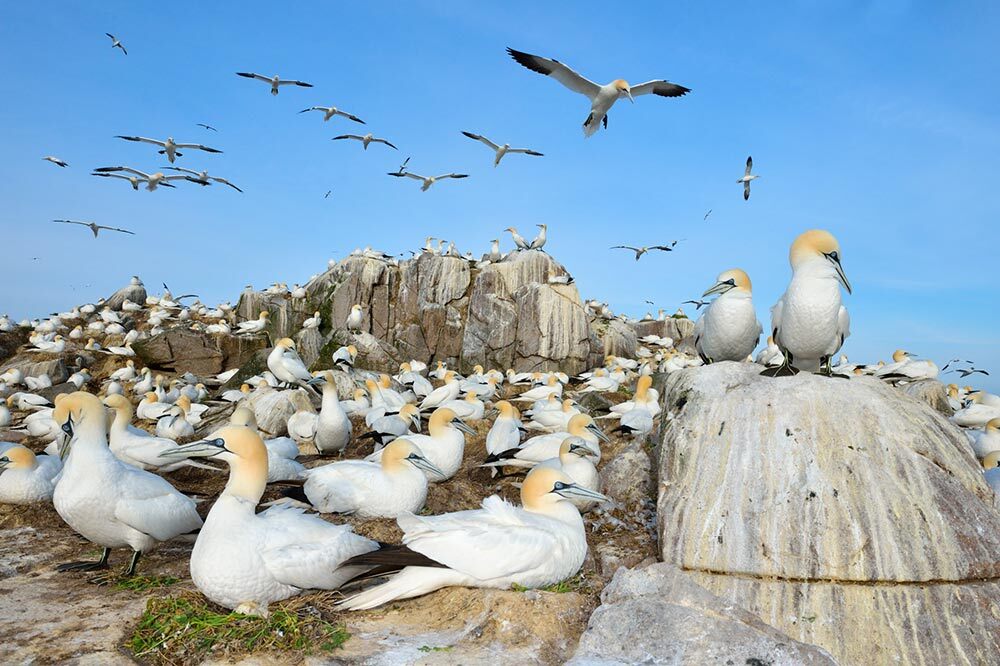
[420, 462]
[461, 425]
[598, 432]
[718, 288]
[204, 449]
[573, 491]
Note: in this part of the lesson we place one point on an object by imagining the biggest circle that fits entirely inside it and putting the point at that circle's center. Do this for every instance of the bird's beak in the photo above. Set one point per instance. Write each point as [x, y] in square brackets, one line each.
[718, 288]
[840, 274]
[67, 438]
[3, 463]
[204, 449]
[573, 491]
[628, 93]
[584, 449]
[317, 381]
[420, 462]
[461, 425]
[598, 432]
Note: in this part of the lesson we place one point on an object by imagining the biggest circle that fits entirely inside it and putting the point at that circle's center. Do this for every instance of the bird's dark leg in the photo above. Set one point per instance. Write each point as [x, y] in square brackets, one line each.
[131, 565]
[589, 118]
[783, 370]
[86, 566]
[826, 368]
[605, 121]
[704, 359]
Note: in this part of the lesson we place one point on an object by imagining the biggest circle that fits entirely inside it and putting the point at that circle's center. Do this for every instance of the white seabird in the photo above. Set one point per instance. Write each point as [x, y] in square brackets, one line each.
[333, 428]
[285, 363]
[331, 111]
[116, 43]
[747, 178]
[728, 329]
[26, 478]
[427, 180]
[169, 146]
[55, 160]
[602, 98]
[444, 447]
[275, 81]
[365, 140]
[202, 177]
[499, 150]
[152, 180]
[538, 544]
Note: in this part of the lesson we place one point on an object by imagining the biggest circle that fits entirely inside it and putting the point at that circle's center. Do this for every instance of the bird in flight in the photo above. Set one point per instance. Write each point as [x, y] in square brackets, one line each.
[402, 167]
[55, 160]
[208, 127]
[965, 372]
[639, 251]
[602, 98]
[202, 177]
[746, 179]
[331, 111]
[706, 215]
[152, 180]
[697, 304]
[275, 81]
[500, 150]
[327, 195]
[115, 43]
[427, 180]
[95, 227]
[366, 139]
[169, 147]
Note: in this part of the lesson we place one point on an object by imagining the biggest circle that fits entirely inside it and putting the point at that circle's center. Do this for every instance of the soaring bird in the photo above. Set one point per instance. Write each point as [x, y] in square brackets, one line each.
[55, 160]
[402, 168]
[169, 147]
[95, 227]
[697, 304]
[365, 140]
[747, 178]
[427, 180]
[500, 150]
[331, 111]
[208, 127]
[639, 251]
[202, 177]
[134, 180]
[602, 98]
[152, 180]
[115, 43]
[275, 81]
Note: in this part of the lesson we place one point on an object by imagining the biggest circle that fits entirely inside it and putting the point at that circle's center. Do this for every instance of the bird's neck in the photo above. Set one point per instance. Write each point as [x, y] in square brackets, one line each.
[247, 479]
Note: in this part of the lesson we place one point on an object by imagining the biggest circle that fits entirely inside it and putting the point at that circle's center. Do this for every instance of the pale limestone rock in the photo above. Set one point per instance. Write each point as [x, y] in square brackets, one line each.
[272, 408]
[930, 391]
[842, 512]
[133, 292]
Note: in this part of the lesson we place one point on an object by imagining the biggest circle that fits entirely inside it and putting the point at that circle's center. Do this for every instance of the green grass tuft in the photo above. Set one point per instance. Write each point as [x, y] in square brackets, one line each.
[145, 583]
[428, 648]
[186, 628]
[573, 584]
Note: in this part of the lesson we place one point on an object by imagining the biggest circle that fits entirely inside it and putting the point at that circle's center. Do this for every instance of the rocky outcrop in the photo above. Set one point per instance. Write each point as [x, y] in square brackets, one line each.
[11, 340]
[932, 392]
[179, 350]
[678, 329]
[286, 313]
[133, 292]
[842, 512]
[658, 615]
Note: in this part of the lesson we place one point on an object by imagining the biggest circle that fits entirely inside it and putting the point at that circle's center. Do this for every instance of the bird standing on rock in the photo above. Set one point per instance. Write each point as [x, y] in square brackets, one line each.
[728, 330]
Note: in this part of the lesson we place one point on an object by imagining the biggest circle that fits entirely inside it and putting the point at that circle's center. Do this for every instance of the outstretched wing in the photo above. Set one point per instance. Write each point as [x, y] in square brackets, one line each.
[173, 168]
[659, 87]
[665, 248]
[376, 140]
[141, 139]
[122, 168]
[526, 151]
[350, 116]
[348, 136]
[226, 182]
[124, 231]
[198, 146]
[292, 82]
[483, 139]
[251, 75]
[749, 166]
[557, 71]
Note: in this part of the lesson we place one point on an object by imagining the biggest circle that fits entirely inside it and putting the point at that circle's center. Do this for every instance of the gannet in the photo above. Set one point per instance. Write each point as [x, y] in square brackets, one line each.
[152, 180]
[637, 422]
[991, 471]
[343, 357]
[500, 150]
[331, 111]
[4, 415]
[395, 485]
[519, 241]
[442, 394]
[275, 81]
[285, 363]
[302, 426]
[576, 461]
[106, 501]
[602, 98]
[975, 415]
[551, 387]
[639, 251]
[646, 397]
[906, 368]
[151, 409]
[202, 177]
[543, 447]
[389, 427]
[505, 433]
[244, 560]
[116, 43]
[312, 322]
[747, 178]
[553, 420]
[538, 544]
[445, 445]
[281, 451]
[254, 325]
[94, 227]
[55, 160]
[428, 180]
[134, 446]
[538, 242]
[355, 318]
[469, 408]
[54, 346]
[808, 323]
[25, 478]
[333, 428]
[174, 424]
[169, 146]
[770, 356]
[358, 404]
[365, 140]
[38, 383]
[987, 441]
[207, 127]
[728, 330]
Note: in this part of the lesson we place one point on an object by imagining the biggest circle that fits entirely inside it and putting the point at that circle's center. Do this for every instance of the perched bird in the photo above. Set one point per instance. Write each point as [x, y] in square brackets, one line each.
[538, 544]
[95, 227]
[333, 428]
[501, 150]
[152, 180]
[244, 560]
[202, 177]
[254, 325]
[519, 241]
[208, 127]
[331, 111]
[746, 179]
[543, 447]
[312, 322]
[987, 441]
[26, 478]
[728, 330]
[106, 501]
[602, 98]
[808, 323]
[427, 180]
[538, 242]
[386, 489]
[639, 251]
[169, 146]
[115, 43]
[55, 160]
[443, 447]
[354, 319]
[365, 140]
[275, 81]
[284, 362]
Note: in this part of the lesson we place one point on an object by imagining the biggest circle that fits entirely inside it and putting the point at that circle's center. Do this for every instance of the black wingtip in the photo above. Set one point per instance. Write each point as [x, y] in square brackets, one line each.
[296, 493]
[528, 60]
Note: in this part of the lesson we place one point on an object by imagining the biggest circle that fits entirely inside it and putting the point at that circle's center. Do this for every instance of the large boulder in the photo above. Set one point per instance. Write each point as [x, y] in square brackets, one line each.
[11, 340]
[932, 392]
[180, 350]
[658, 615]
[286, 313]
[132, 292]
[843, 512]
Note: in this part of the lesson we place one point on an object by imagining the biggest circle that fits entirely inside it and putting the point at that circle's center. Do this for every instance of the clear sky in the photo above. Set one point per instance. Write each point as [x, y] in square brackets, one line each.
[875, 120]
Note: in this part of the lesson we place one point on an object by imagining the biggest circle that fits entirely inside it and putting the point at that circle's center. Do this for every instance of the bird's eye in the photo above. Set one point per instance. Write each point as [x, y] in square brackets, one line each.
[833, 255]
[559, 486]
[731, 282]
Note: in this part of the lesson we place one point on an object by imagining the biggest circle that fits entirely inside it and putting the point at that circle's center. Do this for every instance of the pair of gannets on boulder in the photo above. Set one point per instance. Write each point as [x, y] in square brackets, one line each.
[728, 329]
[106, 501]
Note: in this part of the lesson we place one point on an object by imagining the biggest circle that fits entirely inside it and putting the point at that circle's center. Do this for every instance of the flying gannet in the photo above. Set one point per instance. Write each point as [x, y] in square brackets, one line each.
[55, 160]
[152, 180]
[202, 177]
[275, 81]
[365, 140]
[747, 178]
[499, 150]
[116, 43]
[95, 227]
[331, 111]
[427, 180]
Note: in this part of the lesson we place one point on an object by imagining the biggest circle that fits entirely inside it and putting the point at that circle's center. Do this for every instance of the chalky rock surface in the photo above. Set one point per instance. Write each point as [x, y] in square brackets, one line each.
[842, 512]
[179, 350]
[133, 292]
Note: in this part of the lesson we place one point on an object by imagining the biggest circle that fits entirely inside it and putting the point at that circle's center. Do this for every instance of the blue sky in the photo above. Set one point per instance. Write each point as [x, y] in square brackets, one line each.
[875, 120]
